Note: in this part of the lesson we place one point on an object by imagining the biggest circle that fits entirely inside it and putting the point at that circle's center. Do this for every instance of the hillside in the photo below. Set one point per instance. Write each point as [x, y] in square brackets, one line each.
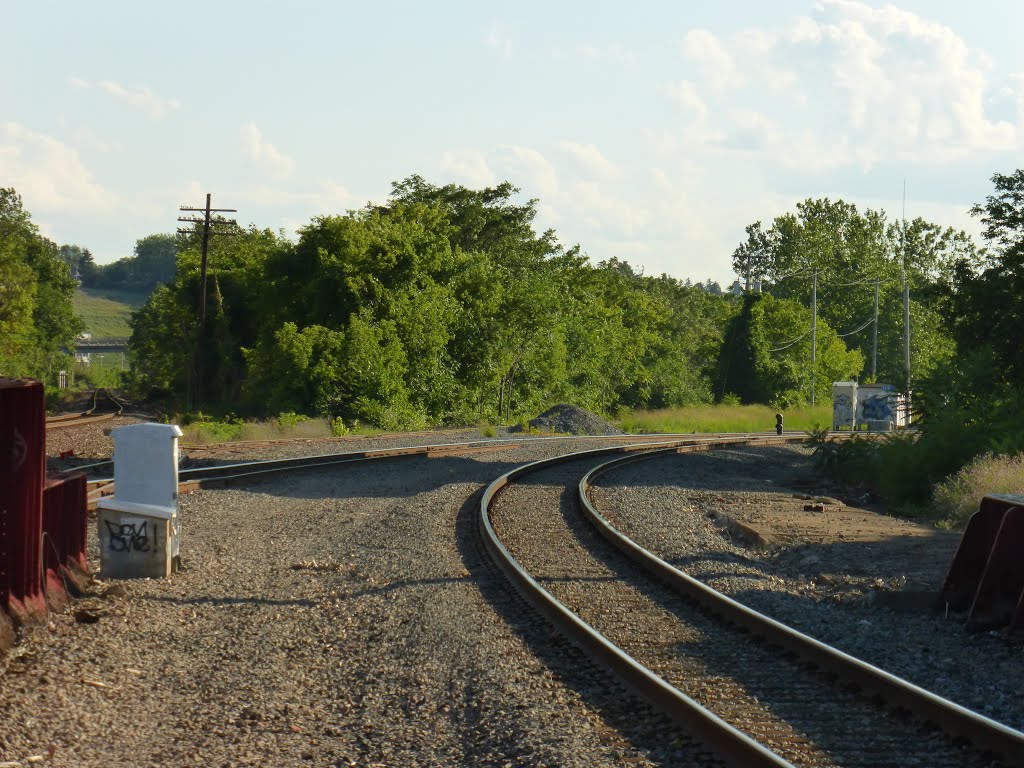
[106, 311]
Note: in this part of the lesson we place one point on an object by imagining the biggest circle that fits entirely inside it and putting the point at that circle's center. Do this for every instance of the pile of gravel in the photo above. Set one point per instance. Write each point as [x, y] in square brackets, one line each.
[569, 419]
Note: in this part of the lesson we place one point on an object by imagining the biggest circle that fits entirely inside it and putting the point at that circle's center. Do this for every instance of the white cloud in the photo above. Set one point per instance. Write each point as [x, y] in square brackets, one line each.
[607, 212]
[589, 159]
[190, 194]
[499, 40]
[897, 68]
[684, 93]
[325, 198]
[714, 61]
[468, 167]
[265, 154]
[848, 86]
[528, 169]
[1017, 78]
[49, 174]
[141, 98]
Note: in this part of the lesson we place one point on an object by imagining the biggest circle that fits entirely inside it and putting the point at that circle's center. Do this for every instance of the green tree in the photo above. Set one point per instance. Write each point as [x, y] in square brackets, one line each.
[153, 261]
[988, 307]
[767, 356]
[171, 358]
[37, 319]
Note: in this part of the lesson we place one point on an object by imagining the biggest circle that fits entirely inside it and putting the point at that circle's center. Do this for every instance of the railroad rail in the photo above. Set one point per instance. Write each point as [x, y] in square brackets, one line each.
[662, 688]
[89, 415]
[195, 478]
[726, 739]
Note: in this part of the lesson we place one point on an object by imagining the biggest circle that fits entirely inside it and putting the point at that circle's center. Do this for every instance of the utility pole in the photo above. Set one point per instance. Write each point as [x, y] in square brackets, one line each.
[208, 230]
[814, 330]
[906, 298]
[874, 336]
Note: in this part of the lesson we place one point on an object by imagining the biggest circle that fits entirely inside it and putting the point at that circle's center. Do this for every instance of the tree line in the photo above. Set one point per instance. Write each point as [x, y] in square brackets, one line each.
[153, 261]
[37, 319]
[446, 305]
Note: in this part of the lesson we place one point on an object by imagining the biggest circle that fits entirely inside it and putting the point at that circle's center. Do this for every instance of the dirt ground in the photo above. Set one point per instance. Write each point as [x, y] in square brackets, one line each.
[841, 545]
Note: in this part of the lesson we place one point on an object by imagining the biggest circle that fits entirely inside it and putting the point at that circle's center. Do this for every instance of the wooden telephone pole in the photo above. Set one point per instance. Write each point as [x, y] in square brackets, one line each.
[209, 229]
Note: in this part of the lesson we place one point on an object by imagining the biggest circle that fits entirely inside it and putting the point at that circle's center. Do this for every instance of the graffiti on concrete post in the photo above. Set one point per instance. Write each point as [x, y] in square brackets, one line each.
[129, 537]
[842, 411]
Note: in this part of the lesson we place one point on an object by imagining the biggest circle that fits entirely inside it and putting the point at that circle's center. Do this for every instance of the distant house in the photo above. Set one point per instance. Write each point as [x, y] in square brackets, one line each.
[736, 289]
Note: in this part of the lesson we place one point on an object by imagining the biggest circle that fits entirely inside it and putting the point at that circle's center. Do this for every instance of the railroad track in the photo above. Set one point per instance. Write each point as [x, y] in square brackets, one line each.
[195, 478]
[89, 415]
[800, 719]
[757, 692]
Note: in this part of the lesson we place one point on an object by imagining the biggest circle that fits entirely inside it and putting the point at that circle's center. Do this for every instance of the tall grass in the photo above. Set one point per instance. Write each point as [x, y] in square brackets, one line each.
[957, 498]
[205, 431]
[725, 418]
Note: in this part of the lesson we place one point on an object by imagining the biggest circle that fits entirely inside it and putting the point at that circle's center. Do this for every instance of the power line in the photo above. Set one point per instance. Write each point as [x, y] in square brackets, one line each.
[857, 330]
[788, 344]
[209, 230]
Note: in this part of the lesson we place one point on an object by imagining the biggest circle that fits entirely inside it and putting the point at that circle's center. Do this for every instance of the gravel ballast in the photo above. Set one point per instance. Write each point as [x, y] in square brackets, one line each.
[871, 596]
[322, 619]
[347, 617]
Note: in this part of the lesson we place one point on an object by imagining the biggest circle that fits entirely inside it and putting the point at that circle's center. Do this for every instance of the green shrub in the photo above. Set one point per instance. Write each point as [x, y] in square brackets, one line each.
[488, 430]
[202, 431]
[850, 459]
[288, 420]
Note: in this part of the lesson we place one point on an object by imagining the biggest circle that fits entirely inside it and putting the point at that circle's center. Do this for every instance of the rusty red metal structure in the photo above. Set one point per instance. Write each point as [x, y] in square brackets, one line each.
[64, 533]
[986, 577]
[22, 471]
[42, 522]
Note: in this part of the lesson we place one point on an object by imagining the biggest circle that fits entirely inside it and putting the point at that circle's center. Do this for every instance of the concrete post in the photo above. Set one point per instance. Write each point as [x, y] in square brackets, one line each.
[139, 529]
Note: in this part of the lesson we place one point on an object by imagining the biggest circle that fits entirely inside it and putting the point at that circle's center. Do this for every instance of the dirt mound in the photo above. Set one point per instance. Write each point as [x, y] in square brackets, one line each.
[568, 419]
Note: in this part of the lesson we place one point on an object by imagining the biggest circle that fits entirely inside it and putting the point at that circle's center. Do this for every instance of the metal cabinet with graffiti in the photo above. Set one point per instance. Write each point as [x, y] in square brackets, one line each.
[868, 407]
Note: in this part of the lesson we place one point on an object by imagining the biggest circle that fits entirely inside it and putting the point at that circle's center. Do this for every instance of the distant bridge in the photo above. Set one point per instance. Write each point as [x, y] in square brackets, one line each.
[99, 345]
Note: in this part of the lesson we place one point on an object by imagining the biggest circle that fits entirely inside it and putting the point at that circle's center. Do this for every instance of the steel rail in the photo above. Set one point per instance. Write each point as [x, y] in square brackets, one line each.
[204, 477]
[729, 742]
[71, 416]
[87, 416]
[266, 466]
[983, 732]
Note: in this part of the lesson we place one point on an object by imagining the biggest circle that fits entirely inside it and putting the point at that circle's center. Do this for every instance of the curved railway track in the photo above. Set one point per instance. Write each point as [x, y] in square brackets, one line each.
[208, 476]
[754, 691]
[757, 692]
[89, 415]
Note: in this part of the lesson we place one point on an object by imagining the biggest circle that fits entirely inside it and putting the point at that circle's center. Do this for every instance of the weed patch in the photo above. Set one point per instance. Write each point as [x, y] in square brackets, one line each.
[958, 497]
[723, 418]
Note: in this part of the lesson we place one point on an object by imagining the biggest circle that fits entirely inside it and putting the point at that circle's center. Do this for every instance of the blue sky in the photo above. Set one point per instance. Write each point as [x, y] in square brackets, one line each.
[653, 133]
